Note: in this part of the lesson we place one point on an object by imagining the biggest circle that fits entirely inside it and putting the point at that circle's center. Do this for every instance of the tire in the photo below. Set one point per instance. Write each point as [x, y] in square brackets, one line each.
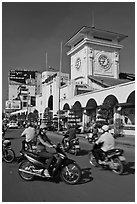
[71, 174]
[92, 159]
[120, 166]
[9, 156]
[24, 166]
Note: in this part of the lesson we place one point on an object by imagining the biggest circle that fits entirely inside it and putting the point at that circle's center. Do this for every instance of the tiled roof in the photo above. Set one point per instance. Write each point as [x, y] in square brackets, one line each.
[106, 82]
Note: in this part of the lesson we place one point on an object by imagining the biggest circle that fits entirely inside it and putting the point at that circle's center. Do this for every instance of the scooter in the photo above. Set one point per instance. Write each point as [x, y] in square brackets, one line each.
[112, 159]
[32, 165]
[72, 146]
[8, 155]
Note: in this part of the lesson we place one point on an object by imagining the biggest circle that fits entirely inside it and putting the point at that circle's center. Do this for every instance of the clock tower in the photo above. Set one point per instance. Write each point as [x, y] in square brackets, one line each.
[94, 52]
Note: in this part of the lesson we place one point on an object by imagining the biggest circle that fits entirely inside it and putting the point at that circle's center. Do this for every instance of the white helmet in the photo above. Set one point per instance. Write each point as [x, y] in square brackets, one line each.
[105, 128]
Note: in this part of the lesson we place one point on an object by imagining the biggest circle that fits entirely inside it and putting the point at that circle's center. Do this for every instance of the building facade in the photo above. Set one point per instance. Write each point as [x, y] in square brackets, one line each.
[24, 85]
[95, 80]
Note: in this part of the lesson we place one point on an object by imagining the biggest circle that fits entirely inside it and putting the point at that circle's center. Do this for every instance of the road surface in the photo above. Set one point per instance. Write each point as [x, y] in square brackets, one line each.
[97, 185]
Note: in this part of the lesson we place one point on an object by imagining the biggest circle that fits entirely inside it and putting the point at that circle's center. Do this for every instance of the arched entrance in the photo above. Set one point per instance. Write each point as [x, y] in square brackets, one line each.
[110, 103]
[128, 110]
[50, 103]
[77, 108]
[91, 110]
[75, 114]
[66, 107]
[131, 98]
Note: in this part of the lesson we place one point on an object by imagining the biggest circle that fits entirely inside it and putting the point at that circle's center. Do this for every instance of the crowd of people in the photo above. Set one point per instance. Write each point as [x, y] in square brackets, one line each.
[37, 135]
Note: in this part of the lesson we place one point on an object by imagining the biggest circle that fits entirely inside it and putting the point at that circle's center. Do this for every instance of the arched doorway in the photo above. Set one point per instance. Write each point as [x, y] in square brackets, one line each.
[75, 114]
[77, 108]
[128, 110]
[66, 107]
[110, 103]
[131, 98]
[50, 103]
[91, 107]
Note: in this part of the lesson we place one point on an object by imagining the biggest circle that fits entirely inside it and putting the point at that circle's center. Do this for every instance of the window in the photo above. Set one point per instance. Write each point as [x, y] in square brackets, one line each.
[24, 97]
[24, 104]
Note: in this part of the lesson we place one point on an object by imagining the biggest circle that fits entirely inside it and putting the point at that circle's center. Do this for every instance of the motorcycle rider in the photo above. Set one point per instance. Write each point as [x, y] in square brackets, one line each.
[108, 142]
[42, 142]
[70, 135]
[30, 135]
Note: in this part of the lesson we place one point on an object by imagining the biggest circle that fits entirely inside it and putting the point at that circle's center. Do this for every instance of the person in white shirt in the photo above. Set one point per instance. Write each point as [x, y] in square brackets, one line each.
[108, 142]
[30, 135]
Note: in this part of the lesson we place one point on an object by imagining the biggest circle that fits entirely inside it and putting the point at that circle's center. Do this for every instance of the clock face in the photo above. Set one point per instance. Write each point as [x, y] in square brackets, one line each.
[104, 62]
[78, 63]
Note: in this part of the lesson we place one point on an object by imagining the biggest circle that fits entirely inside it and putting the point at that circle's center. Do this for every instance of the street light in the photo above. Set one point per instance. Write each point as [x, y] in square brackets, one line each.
[59, 86]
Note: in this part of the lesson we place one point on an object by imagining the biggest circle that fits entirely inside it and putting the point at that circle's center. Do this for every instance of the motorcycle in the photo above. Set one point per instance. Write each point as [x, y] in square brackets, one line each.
[32, 164]
[8, 155]
[92, 137]
[112, 159]
[72, 146]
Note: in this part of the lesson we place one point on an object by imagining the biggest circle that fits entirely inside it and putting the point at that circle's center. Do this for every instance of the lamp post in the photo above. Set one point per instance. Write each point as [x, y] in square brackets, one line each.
[59, 86]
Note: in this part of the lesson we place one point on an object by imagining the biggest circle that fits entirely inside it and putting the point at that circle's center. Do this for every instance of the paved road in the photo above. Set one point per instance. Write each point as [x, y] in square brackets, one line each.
[97, 185]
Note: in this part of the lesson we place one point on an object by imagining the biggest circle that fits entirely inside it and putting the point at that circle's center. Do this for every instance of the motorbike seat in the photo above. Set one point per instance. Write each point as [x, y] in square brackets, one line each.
[112, 151]
[36, 155]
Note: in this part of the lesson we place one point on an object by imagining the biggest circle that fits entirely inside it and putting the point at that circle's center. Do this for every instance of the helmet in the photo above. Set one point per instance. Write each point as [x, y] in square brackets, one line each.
[105, 128]
[28, 124]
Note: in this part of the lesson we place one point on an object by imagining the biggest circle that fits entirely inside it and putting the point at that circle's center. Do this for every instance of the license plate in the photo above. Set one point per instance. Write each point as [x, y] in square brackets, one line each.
[76, 146]
[122, 158]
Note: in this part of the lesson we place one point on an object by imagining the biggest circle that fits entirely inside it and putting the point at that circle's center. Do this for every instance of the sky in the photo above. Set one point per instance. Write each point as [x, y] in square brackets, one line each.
[32, 29]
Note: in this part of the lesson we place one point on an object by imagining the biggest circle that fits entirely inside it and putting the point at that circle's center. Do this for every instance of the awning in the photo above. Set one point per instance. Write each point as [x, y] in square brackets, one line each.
[19, 112]
[125, 105]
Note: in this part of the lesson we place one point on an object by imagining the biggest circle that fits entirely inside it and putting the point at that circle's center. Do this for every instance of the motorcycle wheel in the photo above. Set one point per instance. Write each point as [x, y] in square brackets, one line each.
[120, 167]
[9, 155]
[25, 165]
[92, 159]
[71, 174]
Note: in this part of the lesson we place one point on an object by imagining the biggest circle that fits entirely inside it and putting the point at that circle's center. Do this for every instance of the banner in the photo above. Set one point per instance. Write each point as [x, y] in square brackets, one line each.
[22, 77]
[14, 104]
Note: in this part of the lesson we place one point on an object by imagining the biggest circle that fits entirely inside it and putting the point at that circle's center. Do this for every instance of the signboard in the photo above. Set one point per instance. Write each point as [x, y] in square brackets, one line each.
[14, 104]
[22, 77]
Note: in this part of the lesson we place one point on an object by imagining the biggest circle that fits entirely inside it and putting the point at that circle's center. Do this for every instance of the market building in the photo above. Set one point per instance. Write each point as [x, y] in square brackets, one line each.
[95, 80]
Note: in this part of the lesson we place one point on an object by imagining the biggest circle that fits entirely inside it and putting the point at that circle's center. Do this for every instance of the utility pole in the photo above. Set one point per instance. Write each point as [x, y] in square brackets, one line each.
[46, 62]
[59, 86]
[93, 23]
